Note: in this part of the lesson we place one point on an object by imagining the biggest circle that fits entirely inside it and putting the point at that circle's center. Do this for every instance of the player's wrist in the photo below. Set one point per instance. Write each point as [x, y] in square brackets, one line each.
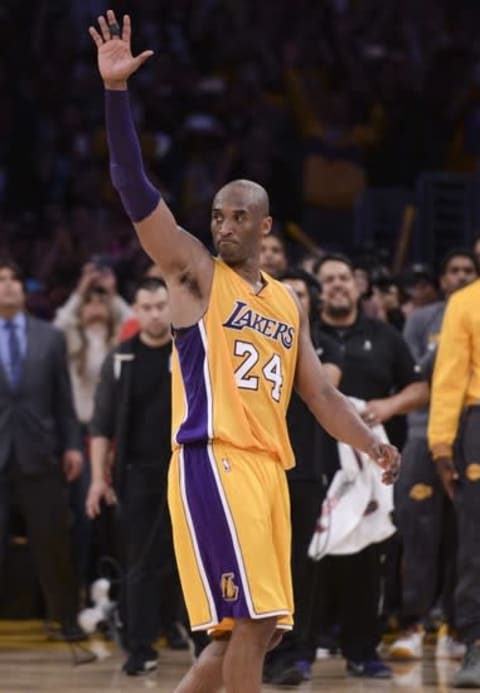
[114, 85]
[374, 448]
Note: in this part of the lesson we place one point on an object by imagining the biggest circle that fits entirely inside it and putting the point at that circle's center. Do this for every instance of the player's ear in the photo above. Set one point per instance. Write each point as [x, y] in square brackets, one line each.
[266, 225]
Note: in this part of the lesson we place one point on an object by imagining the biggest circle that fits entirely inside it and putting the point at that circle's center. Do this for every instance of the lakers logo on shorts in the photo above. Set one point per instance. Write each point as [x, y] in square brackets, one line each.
[228, 587]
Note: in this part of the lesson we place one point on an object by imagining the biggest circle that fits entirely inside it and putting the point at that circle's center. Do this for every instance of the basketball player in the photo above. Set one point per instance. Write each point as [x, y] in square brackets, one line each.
[240, 343]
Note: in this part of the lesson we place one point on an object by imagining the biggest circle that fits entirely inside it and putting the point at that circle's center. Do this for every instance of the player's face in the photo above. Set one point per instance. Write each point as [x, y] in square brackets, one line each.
[153, 312]
[272, 256]
[459, 272]
[301, 290]
[339, 290]
[237, 227]
[12, 296]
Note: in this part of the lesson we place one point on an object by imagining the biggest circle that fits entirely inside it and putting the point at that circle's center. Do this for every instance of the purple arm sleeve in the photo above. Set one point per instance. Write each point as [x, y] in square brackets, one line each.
[138, 195]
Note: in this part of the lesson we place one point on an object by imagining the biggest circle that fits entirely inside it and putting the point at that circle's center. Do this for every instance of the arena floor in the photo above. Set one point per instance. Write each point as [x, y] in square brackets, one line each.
[29, 663]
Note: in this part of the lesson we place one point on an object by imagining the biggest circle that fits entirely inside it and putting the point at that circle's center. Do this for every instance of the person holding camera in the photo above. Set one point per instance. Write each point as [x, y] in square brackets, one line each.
[90, 321]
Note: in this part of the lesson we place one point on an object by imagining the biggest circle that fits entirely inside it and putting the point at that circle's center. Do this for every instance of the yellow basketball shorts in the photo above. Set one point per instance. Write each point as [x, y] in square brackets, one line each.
[231, 528]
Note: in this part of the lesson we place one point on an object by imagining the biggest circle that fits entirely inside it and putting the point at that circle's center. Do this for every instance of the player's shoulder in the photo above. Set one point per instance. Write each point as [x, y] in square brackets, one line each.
[466, 296]
[283, 293]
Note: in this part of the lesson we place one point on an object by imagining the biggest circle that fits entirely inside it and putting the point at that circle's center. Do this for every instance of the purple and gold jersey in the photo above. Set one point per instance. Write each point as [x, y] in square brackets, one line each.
[233, 371]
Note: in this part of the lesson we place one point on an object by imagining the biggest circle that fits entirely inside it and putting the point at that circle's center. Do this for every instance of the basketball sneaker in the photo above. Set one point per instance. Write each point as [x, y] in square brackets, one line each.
[408, 645]
[448, 646]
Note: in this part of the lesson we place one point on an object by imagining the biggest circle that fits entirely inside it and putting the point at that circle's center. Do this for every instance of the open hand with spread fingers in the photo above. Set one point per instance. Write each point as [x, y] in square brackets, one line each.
[115, 60]
[388, 459]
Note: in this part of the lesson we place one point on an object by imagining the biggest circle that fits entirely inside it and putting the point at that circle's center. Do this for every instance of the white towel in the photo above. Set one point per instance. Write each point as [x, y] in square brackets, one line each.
[357, 509]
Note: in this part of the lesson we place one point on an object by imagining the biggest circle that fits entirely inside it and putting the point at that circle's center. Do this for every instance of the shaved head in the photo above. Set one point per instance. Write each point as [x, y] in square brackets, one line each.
[247, 193]
[240, 219]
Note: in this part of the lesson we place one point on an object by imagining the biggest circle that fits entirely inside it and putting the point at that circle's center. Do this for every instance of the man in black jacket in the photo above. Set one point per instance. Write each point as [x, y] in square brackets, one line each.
[290, 663]
[38, 428]
[379, 369]
[133, 408]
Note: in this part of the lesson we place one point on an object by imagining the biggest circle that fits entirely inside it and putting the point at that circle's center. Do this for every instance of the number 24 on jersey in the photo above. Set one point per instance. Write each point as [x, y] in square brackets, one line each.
[245, 373]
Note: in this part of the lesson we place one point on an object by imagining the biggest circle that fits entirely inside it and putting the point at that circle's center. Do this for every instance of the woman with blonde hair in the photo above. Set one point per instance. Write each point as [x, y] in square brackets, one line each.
[90, 321]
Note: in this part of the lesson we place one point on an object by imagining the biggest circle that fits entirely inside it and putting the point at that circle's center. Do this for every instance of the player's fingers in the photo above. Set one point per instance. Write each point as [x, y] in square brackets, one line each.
[97, 39]
[102, 22]
[110, 497]
[90, 508]
[126, 28]
[113, 25]
[140, 59]
[382, 461]
[111, 17]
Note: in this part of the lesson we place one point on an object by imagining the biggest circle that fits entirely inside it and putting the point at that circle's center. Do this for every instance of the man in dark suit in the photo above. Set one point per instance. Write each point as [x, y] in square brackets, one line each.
[39, 434]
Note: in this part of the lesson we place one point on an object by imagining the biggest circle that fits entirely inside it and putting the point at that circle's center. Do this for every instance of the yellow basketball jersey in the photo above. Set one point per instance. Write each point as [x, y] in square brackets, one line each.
[233, 371]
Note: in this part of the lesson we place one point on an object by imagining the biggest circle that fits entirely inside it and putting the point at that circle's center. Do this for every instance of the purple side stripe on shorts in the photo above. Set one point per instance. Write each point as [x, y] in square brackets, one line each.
[213, 535]
[191, 353]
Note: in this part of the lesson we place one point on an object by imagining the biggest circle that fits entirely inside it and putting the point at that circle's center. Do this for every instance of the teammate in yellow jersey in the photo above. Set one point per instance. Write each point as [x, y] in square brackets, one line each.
[241, 342]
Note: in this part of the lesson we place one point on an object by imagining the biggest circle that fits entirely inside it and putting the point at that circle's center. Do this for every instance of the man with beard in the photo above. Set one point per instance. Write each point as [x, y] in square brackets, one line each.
[379, 369]
[133, 408]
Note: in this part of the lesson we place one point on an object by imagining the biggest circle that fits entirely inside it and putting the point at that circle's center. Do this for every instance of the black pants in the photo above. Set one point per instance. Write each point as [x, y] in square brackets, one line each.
[305, 503]
[348, 590]
[427, 526]
[42, 501]
[151, 599]
[467, 505]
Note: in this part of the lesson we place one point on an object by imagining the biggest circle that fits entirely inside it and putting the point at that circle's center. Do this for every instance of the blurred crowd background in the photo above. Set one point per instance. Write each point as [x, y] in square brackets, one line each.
[361, 118]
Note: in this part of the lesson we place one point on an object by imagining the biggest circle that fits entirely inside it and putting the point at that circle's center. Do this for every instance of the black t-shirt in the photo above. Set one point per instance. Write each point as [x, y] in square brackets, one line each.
[377, 364]
[150, 409]
[307, 437]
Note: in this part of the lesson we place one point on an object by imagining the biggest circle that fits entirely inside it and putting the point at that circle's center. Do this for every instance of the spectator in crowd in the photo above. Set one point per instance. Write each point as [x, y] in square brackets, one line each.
[420, 285]
[455, 416]
[40, 446]
[89, 323]
[273, 254]
[98, 281]
[131, 325]
[424, 513]
[90, 320]
[379, 369]
[133, 410]
[387, 298]
[290, 662]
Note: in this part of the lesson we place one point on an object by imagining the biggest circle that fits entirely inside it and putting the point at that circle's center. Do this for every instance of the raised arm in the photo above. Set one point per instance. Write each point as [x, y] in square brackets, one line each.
[184, 262]
[334, 411]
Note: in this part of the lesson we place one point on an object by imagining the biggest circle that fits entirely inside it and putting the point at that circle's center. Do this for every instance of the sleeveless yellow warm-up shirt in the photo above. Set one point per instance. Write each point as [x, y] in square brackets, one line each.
[233, 371]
